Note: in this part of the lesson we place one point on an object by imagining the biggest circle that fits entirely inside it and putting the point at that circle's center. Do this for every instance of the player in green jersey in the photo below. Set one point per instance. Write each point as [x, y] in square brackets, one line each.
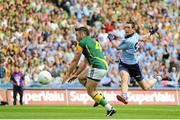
[94, 58]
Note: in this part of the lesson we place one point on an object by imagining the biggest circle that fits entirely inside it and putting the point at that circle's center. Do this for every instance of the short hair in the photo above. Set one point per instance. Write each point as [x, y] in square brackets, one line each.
[82, 29]
[132, 24]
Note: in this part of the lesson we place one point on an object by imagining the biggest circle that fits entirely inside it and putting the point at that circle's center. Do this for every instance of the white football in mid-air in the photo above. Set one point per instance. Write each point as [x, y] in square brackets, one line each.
[45, 77]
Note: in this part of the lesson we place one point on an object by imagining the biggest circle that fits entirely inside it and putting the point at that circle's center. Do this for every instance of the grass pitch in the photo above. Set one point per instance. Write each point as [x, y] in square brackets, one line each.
[88, 112]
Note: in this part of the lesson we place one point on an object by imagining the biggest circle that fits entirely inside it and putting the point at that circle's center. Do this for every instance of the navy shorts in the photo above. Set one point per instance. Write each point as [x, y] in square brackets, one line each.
[133, 70]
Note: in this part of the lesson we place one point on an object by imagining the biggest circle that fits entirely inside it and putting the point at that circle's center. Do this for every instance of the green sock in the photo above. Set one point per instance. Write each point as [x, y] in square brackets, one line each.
[103, 102]
[100, 99]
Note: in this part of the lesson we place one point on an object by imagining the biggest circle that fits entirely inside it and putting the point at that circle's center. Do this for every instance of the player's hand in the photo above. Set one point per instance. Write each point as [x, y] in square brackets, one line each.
[71, 78]
[111, 37]
[65, 78]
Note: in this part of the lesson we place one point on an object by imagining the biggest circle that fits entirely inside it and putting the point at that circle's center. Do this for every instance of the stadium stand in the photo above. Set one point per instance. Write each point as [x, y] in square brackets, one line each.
[39, 35]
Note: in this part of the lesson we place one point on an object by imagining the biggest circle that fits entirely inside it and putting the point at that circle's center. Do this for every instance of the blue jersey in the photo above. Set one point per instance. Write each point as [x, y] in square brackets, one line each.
[129, 48]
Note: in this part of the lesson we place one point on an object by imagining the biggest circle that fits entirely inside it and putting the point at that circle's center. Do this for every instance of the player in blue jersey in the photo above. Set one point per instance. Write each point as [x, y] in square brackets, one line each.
[128, 64]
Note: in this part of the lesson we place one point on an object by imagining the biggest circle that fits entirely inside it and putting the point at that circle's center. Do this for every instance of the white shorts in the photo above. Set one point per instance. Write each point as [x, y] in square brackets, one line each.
[96, 74]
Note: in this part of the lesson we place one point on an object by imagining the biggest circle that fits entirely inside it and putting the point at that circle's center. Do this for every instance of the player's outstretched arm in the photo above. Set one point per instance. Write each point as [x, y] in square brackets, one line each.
[151, 32]
[82, 67]
[72, 66]
[79, 70]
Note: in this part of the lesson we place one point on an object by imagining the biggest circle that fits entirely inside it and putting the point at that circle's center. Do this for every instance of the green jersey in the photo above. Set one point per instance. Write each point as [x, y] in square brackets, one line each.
[92, 50]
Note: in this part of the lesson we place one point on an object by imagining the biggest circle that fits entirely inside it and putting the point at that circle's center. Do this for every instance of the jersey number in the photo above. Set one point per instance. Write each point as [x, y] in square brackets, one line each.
[136, 46]
[98, 46]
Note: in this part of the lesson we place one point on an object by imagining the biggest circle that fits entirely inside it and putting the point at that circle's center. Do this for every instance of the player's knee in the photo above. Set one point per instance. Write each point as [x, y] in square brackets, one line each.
[89, 91]
[124, 80]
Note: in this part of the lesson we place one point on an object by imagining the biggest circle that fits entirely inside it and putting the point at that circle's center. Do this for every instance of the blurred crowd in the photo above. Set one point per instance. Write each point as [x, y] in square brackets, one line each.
[39, 35]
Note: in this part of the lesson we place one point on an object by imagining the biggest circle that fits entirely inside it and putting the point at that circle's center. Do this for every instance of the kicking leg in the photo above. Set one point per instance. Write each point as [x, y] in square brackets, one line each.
[124, 85]
[91, 86]
[83, 80]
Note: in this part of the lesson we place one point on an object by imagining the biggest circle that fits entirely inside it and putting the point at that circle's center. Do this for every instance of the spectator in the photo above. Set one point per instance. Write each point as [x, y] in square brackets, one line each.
[40, 37]
[165, 53]
[174, 77]
[3, 75]
[17, 79]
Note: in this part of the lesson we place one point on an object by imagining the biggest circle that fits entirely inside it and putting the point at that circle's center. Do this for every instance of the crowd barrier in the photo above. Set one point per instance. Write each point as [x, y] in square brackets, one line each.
[80, 97]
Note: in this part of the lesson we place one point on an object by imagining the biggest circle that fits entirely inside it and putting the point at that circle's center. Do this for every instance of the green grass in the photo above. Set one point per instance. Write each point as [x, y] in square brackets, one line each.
[88, 112]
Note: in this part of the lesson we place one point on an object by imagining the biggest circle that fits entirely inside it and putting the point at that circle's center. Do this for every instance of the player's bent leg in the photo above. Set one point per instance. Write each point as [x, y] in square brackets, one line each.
[83, 80]
[124, 85]
[91, 86]
[148, 84]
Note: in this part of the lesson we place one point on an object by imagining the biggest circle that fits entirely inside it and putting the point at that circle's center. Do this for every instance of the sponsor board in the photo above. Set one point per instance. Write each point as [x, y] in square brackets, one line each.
[134, 97]
[41, 97]
[160, 97]
[80, 97]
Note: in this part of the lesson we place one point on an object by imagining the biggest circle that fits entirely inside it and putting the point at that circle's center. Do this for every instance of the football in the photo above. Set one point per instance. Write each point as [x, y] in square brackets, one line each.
[45, 77]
